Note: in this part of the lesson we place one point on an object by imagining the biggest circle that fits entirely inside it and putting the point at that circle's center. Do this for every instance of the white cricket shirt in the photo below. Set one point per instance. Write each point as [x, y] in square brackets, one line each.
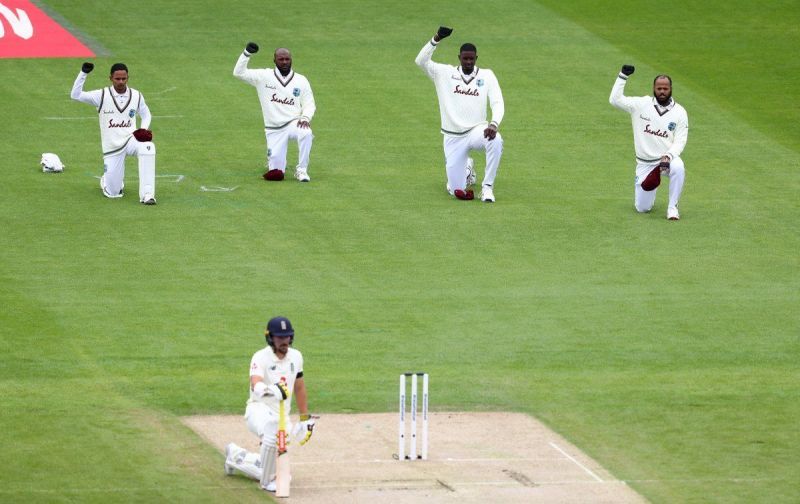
[283, 99]
[657, 131]
[116, 113]
[462, 98]
[267, 365]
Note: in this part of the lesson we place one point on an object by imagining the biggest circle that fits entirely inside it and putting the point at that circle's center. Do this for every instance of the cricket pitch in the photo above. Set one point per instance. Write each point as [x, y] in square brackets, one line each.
[473, 458]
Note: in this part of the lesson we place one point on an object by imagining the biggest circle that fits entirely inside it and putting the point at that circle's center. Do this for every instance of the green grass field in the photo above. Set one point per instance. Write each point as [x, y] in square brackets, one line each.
[667, 351]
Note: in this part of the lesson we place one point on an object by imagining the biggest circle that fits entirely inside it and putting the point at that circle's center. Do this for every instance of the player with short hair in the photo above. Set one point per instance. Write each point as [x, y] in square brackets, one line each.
[288, 106]
[117, 108]
[463, 93]
[660, 131]
[276, 373]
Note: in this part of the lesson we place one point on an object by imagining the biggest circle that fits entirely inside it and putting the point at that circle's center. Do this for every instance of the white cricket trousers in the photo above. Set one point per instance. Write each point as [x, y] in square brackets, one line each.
[263, 422]
[456, 152]
[278, 143]
[113, 179]
[644, 200]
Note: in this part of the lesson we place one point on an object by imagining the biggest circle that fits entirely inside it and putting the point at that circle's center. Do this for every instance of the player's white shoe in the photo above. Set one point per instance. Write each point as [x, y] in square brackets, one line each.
[471, 177]
[301, 174]
[487, 195]
[270, 486]
[149, 199]
[672, 213]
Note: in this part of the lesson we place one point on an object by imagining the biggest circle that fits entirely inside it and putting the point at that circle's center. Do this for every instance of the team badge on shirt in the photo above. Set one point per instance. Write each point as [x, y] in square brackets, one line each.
[131, 113]
[296, 91]
[671, 126]
[480, 82]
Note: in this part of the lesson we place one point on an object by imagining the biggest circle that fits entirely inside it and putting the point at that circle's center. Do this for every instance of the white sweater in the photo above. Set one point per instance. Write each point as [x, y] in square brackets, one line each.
[283, 99]
[116, 112]
[462, 98]
[657, 131]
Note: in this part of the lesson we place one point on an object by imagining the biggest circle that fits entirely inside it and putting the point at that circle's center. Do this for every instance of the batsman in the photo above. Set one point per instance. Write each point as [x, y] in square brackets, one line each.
[276, 376]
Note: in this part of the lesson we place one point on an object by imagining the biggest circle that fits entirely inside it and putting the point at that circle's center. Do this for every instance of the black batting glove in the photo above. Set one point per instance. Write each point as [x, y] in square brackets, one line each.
[87, 67]
[627, 69]
[444, 32]
[252, 47]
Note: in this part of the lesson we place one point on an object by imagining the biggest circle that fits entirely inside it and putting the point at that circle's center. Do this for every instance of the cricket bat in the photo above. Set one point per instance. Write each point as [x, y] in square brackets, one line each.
[282, 474]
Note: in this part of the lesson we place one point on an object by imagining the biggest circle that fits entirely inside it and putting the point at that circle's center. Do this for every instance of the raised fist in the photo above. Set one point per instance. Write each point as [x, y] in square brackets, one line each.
[627, 69]
[87, 67]
[252, 47]
[444, 32]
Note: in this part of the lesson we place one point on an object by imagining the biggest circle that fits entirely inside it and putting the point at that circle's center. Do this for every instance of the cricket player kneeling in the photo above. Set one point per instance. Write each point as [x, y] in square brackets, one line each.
[117, 107]
[276, 377]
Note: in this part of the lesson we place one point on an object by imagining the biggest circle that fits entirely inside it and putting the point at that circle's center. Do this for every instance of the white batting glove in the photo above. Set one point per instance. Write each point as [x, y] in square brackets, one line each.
[304, 429]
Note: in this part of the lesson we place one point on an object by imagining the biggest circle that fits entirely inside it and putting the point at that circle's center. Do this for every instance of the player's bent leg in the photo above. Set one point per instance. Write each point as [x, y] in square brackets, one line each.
[456, 152]
[494, 151]
[239, 459]
[261, 420]
[269, 454]
[146, 152]
[277, 143]
[677, 176]
[112, 180]
[305, 139]
[644, 200]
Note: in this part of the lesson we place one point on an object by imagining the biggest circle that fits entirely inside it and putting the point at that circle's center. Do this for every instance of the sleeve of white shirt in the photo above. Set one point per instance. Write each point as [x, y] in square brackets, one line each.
[681, 136]
[144, 113]
[618, 99]
[241, 71]
[255, 367]
[496, 101]
[90, 97]
[423, 59]
[307, 105]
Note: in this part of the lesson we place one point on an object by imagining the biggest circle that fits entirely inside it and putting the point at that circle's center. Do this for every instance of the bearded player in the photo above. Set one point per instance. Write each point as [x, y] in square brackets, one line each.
[117, 107]
[276, 373]
[660, 131]
[287, 105]
[464, 93]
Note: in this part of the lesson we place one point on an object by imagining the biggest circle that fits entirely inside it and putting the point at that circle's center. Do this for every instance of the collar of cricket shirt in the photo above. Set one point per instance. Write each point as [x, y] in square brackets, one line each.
[662, 109]
[283, 80]
[467, 78]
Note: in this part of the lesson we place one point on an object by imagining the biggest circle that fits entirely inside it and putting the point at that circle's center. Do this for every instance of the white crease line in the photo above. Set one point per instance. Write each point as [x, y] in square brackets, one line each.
[178, 178]
[430, 461]
[52, 118]
[173, 88]
[593, 475]
[434, 484]
[217, 188]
